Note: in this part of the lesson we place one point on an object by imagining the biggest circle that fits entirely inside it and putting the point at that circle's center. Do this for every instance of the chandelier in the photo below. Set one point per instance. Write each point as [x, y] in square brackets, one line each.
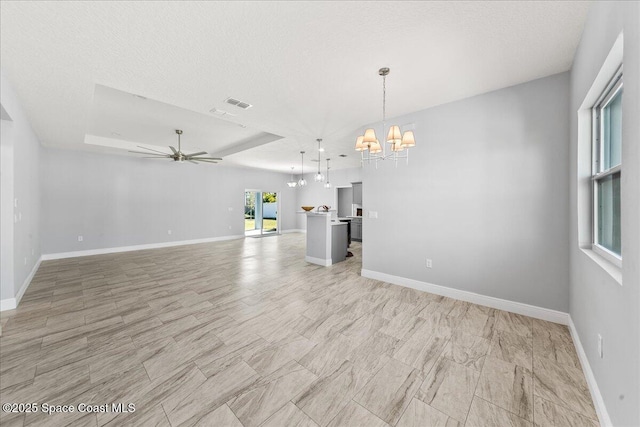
[398, 141]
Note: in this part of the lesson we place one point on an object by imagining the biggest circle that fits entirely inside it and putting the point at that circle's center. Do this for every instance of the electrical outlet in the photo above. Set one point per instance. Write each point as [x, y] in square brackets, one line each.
[429, 263]
[169, 232]
[230, 209]
[229, 227]
[80, 238]
[600, 350]
[373, 214]
[25, 260]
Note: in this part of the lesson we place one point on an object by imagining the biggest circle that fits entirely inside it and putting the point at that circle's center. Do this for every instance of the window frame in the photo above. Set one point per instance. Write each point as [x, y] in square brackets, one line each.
[597, 172]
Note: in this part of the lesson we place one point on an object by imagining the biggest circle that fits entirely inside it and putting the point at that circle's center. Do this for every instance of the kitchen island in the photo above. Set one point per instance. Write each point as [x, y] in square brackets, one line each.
[327, 239]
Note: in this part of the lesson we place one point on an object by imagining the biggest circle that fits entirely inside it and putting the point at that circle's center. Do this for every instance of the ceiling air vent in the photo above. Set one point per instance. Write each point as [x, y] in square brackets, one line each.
[237, 103]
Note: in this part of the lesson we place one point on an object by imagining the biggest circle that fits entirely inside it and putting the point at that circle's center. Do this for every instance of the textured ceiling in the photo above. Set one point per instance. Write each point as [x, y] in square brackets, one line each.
[308, 68]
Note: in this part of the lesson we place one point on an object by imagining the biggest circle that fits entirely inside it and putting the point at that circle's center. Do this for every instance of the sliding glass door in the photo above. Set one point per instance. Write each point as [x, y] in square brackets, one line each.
[260, 212]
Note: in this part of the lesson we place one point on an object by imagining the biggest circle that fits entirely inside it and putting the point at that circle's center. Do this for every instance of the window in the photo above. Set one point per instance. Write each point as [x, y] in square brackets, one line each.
[607, 170]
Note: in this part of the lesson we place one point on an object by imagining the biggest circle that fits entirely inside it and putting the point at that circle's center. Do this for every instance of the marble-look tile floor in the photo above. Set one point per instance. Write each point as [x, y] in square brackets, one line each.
[246, 333]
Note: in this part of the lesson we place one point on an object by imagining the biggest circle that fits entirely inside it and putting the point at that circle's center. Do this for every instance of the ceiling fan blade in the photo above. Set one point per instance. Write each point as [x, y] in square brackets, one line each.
[153, 157]
[206, 161]
[158, 155]
[191, 161]
[199, 153]
[206, 158]
[174, 150]
[151, 149]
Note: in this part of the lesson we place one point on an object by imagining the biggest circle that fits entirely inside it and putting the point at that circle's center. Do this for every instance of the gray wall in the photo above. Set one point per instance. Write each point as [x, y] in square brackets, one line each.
[6, 210]
[345, 201]
[115, 201]
[598, 304]
[314, 194]
[23, 149]
[484, 196]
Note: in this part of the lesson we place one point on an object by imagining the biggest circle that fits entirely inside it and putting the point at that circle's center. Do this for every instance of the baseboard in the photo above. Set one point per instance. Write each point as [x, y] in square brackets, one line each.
[89, 252]
[501, 304]
[319, 261]
[294, 230]
[598, 401]
[7, 304]
[12, 303]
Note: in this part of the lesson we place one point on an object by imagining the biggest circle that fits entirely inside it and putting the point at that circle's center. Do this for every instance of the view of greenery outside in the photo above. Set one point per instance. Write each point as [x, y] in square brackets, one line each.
[250, 211]
[267, 224]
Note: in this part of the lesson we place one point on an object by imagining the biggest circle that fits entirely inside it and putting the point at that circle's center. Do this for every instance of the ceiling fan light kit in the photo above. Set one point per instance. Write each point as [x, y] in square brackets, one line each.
[369, 144]
[178, 155]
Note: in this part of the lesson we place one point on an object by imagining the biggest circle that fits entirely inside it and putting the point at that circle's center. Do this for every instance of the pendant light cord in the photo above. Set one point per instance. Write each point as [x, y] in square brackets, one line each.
[384, 115]
[384, 101]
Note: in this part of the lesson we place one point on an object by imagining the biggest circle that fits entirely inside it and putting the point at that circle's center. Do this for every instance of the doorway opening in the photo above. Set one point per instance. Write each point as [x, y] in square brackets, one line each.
[261, 213]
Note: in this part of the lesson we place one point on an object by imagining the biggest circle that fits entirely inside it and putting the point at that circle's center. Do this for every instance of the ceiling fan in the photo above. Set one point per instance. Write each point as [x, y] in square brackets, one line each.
[178, 155]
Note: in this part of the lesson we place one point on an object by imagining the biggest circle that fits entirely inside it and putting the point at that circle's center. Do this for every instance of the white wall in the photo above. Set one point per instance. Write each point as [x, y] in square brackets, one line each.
[115, 201]
[485, 196]
[22, 217]
[314, 193]
[599, 304]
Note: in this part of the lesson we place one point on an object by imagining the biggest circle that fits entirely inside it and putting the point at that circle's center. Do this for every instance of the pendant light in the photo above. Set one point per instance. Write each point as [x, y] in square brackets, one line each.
[302, 182]
[292, 183]
[327, 184]
[398, 141]
[319, 177]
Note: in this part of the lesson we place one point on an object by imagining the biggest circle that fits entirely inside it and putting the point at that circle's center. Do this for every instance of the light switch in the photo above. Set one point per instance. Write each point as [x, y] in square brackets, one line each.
[373, 214]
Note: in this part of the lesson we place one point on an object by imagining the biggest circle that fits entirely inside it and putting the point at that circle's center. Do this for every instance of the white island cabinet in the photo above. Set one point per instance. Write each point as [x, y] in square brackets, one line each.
[327, 239]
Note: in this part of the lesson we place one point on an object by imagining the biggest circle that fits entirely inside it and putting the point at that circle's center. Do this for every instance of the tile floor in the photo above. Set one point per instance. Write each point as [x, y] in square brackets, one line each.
[245, 333]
